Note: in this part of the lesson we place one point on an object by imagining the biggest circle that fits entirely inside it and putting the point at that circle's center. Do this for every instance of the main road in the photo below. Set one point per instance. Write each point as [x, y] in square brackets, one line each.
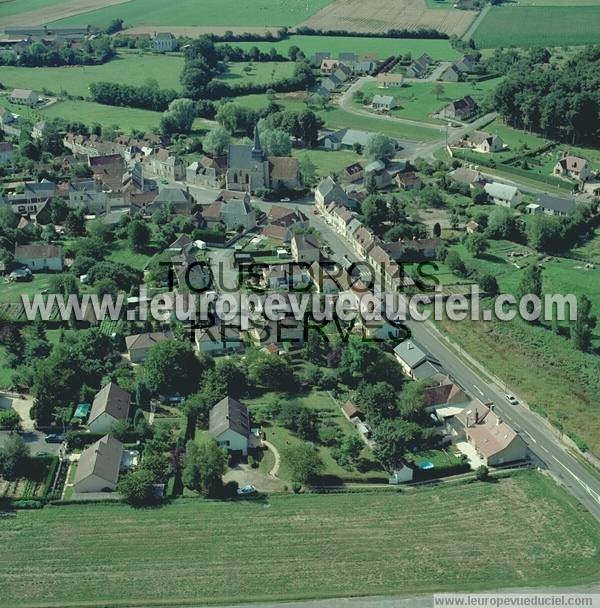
[547, 449]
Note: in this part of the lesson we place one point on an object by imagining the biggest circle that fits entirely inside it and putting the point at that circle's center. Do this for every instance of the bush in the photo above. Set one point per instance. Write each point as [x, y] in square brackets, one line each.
[482, 473]
[296, 487]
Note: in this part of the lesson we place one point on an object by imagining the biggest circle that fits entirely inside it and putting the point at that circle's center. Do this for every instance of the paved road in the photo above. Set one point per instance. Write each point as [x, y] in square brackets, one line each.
[544, 443]
[469, 33]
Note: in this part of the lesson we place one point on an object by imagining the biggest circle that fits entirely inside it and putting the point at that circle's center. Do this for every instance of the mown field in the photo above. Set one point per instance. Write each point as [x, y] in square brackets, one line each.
[15, 7]
[202, 12]
[384, 47]
[127, 68]
[300, 546]
[525, 26]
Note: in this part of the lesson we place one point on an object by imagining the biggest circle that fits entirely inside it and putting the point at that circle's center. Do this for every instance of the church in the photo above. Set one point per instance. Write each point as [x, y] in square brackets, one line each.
[250, 170]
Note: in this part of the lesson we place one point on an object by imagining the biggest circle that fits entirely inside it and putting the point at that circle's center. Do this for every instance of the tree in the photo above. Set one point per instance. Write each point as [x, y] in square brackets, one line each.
[308, 170]
[204, 467]
[315, 348]
[390, 445]
[9, 420]
[380, 146]
[476, 244]
[482, 473]
[14, 455]
[530, 284]
[179, 117]
[137, 487]
[502, 224]
[455, 264]
[273, 373]
[351, 447]
[378, 400]
[438, 90]
[437, 230]
[173, 367]
[158, 464]
[138, 235]
[304, 461]
[276, 142]
[375, 211]
[489, 285]
[217, 141]
[412, 402]
[583, 326]
[75, 223]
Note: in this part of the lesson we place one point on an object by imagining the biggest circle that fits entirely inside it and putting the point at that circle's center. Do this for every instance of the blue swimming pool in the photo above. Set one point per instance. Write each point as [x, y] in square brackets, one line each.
[426, 465]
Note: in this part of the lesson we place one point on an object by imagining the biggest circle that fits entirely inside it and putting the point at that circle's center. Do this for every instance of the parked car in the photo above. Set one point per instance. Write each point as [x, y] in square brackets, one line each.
[54, 438]
[246, 490]
[512, 399]
[285, 200]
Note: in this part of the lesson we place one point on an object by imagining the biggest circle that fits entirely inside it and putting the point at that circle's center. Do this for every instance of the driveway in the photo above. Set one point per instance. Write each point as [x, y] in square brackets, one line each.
[21, 406]
[35, 441]
[245, 475]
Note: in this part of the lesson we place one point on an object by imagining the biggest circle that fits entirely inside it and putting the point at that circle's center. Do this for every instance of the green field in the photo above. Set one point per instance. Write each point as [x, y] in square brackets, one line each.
[525, 26]
[128, 68]
[260, 73]
[254, 13]
[15, 7]
[384, 47]
[417, 102]
[290, 546]
[330, 162]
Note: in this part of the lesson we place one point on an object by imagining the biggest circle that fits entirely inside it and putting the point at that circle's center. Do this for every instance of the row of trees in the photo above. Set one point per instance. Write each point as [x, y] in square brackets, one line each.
[92, 52]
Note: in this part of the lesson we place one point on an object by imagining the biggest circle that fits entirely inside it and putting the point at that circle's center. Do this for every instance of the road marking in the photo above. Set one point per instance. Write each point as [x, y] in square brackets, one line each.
[530, 436]
[478, 389]
[591, 492]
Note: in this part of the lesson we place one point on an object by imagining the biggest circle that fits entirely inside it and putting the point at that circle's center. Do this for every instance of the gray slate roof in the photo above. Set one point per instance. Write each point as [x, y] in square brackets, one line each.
[556, 203]
[111, 399]
[102, 459]
[229, 414]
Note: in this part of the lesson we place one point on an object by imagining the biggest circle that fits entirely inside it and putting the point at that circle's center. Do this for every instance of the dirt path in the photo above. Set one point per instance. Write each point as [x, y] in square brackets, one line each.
[273, 472]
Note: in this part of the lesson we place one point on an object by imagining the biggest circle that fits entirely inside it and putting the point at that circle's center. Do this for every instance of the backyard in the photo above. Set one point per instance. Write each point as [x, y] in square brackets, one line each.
[376, 543]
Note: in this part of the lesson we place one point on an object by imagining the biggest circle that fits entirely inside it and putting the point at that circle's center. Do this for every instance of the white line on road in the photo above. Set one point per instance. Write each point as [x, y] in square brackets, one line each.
[478, 389]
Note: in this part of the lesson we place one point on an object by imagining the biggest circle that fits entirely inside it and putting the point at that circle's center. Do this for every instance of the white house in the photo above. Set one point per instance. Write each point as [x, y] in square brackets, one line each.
[164, 42]
[229, 424]
[503, 195]
[98, 466]
[110, 405]
[219, 340]
[384, 103]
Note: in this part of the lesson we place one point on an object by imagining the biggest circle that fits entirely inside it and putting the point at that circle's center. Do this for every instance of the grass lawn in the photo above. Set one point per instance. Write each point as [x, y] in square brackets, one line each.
[384, 47]
[5, 371]
[328, 409]
[525, 26]
[127, 68]
[201, 12]
[288, 547]
[330, 162]
[417, 102]
[260, 72]
[11, 291]
[337, 118]
[122, 253]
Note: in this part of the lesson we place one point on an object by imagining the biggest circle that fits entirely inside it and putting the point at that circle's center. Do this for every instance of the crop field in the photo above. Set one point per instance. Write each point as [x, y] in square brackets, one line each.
[384, 47]
[39, 12]
[127, 68]
[328, 162]
[376, 543]
[525, 26]
[417, 102]
[382, 15]
[203, 13]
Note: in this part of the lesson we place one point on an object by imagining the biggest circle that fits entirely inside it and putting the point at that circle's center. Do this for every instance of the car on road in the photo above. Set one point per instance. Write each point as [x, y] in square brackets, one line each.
[511, 399]
[54, 438]
[246, 490]
[285, 200]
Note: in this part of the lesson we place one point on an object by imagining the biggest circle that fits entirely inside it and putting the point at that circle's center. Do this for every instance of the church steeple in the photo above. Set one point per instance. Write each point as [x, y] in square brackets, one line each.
[257, 152]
